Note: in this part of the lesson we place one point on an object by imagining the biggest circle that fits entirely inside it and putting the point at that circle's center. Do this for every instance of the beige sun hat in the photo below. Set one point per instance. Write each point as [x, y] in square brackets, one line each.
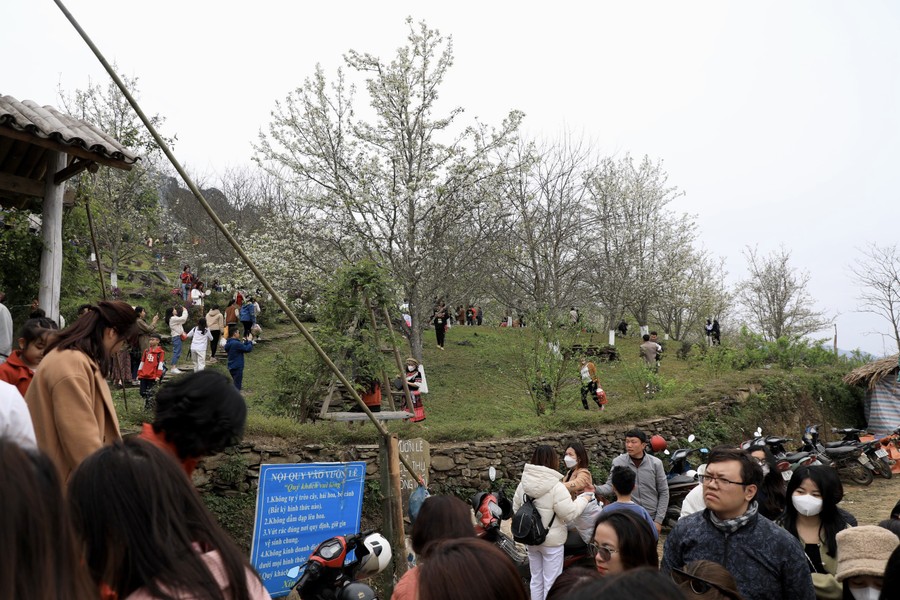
[864, 551]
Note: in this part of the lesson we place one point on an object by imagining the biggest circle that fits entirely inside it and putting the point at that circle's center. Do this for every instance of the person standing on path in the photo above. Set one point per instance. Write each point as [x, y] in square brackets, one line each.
[200, 337]
[235, 348]
[176, 318]
[215, 320]
[439, 318]
[589, 383]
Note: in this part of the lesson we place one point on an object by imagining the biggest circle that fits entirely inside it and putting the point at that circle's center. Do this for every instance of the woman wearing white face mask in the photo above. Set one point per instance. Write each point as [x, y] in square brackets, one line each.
[415, 379]
[812, 516]
[863, 554]
[578, 481]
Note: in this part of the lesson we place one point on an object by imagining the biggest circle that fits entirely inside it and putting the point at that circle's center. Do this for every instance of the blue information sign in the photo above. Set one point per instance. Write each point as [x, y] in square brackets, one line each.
[298, 507]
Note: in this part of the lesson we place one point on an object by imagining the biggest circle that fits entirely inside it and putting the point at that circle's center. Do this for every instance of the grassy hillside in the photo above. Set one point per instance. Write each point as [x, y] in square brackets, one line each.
[477, 391]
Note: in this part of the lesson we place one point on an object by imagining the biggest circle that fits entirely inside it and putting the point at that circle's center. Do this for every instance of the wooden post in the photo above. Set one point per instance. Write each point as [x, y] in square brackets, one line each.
[51, 232]
[393, 506]
[385, 379]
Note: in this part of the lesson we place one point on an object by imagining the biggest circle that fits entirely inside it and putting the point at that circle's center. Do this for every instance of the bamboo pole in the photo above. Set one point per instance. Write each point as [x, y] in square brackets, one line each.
[386, 381]
[399, 361]
[221, 227]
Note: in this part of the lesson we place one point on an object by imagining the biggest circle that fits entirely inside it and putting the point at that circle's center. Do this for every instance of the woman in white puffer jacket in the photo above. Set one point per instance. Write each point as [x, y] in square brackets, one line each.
[542, 481]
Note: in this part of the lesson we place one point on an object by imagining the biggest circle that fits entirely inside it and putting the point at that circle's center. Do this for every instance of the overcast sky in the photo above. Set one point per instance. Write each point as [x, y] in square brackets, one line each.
[778, 120]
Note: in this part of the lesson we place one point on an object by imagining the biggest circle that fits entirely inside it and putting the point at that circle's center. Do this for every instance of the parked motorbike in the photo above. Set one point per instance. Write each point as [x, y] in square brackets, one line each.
[848, 460]
[872, 448]
[329, 576]
[681, 478]
[785, 462]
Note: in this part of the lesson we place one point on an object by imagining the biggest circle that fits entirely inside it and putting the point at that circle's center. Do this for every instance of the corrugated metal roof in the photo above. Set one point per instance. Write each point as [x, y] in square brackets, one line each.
[49, 123]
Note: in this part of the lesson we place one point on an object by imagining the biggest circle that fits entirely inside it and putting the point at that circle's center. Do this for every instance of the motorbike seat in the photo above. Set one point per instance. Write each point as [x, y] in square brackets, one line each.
[848, 430]
[776, 440]
[838, 444]
[843, 451]
[681, 480]
[796, 456]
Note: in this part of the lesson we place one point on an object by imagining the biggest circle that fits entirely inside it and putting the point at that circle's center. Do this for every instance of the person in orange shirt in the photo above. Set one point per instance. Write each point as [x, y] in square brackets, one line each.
[19, 368]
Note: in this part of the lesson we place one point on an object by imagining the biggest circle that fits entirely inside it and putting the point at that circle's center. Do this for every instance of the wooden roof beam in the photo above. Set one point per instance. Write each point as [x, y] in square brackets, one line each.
[66, 148]
[77, 166]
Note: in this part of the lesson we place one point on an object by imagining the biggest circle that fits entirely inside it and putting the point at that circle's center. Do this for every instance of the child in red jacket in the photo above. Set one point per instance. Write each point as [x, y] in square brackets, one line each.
[151, 369]
[18, 369]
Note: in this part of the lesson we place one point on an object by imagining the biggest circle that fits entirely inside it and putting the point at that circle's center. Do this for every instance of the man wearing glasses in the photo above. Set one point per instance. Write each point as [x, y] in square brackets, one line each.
[764, 559]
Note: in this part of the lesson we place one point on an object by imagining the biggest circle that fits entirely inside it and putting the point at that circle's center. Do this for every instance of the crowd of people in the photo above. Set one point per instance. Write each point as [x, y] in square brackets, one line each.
[749, 538]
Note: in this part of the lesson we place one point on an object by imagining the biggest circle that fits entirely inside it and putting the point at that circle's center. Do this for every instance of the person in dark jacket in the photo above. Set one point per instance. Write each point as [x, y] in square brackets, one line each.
[651, 489]
[235, 348]
[766, 561]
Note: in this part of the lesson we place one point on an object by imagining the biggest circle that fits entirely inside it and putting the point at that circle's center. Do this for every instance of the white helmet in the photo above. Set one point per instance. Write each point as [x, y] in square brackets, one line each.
[376, 555]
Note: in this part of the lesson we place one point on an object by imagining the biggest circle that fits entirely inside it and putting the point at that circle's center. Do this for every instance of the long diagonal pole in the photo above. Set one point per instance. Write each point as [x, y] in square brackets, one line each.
[231, 240]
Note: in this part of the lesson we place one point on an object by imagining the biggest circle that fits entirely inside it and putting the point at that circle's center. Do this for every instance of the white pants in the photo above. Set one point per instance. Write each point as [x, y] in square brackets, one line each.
[546, 564]
[199, 359]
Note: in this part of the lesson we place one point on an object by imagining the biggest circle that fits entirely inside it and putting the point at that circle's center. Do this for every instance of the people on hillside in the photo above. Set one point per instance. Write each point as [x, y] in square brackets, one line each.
[541, 483]
[651, 488]
[176, 317]
[649, 351]
[439, 320]
[18, 370]
[623, 541]
[232, 319]
[765, 560]
[235, 348]
[716, 333]
[589, 383]
[69, 399]
[622, 328]
[200, 337]
[247, 315]
[812, 516]
[415, 380]
[187, 282]
[196, 416]
[623, 481]
[215, 320]
[149, 535]
[708, 328]
[151, 369]
[197, 296]
[143, 340]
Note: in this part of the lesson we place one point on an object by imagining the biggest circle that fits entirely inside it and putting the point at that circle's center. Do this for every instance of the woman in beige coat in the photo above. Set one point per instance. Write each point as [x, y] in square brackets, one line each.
[69, 399]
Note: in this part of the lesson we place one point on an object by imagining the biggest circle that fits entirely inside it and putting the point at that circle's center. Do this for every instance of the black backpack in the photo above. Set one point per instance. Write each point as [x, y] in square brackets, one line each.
[527, 526]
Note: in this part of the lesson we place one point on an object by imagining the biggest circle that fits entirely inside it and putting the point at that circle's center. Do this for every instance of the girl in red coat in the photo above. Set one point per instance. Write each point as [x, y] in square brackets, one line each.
[18, 369]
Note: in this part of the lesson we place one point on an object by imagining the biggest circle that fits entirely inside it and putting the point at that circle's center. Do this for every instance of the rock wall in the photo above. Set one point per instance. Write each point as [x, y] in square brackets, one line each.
[453, 466]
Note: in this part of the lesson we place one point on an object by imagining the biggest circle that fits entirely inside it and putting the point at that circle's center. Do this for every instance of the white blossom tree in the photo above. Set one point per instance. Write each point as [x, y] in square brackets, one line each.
[877, 271]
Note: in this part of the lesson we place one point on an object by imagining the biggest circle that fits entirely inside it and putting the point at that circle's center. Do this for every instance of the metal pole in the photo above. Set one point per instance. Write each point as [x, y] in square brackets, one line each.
[221, 227]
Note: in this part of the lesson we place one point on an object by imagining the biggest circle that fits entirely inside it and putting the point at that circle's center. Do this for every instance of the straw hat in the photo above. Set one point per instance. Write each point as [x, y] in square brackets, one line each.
[864, 551]
[412, 361]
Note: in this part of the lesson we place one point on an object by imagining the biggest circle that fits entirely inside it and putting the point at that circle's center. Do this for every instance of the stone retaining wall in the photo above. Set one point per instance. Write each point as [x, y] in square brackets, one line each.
[453, 466]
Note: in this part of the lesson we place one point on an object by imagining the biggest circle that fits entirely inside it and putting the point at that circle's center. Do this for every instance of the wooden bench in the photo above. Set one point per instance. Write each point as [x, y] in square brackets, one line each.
[385, 415]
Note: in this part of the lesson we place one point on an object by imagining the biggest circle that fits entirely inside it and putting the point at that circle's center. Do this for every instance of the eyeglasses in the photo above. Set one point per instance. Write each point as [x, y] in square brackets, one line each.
[605, 552]
[721, 481]
[698, 585]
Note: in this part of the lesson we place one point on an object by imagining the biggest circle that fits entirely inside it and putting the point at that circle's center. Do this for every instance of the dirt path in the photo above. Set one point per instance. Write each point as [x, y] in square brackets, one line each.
[873, 503]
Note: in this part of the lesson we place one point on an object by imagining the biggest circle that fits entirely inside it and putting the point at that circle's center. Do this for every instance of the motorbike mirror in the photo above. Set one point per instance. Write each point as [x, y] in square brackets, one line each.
[691, 438]
[704, 450]
[492, 473]
[666, 451]
[759, 432]
[294, 572]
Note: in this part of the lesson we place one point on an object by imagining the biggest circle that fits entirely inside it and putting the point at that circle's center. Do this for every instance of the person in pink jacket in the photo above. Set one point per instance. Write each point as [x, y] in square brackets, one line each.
[542, 482]
[147, 534]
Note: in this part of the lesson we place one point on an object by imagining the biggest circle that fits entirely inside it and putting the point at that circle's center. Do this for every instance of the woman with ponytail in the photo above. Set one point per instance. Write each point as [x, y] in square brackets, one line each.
[69, 399]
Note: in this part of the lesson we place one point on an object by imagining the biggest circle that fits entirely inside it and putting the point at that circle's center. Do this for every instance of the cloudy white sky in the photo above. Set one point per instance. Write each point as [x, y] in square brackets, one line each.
[778, 120]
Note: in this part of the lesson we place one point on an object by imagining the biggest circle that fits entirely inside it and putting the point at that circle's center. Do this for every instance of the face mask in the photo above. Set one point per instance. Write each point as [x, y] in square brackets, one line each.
[866, 593]
[807, 505]
[410, 368]
[570, 462]
[765, 469]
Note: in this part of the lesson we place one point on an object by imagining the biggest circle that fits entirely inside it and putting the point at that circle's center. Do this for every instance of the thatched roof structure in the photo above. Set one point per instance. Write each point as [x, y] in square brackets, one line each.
[871, 373]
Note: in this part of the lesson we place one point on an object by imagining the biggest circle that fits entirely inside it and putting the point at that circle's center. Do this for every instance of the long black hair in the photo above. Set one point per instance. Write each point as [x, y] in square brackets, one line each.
[141, 520]
[41, 558]
[830, 490]
[86, 333]
[200, 414]
[771, 494]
